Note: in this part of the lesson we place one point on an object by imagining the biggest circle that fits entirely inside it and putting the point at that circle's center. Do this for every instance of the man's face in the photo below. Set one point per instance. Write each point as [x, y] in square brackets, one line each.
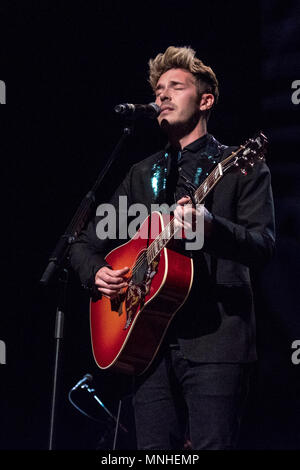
[178, 97]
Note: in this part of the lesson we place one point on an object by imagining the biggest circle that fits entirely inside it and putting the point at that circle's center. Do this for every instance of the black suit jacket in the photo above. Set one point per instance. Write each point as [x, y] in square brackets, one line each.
[217, 322]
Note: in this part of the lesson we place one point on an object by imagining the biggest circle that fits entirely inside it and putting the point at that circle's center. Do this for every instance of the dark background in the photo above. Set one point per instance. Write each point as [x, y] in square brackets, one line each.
[66, 65]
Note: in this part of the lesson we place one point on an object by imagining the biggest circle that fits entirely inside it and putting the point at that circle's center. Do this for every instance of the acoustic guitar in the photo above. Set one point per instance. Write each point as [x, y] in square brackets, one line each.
[127, 331]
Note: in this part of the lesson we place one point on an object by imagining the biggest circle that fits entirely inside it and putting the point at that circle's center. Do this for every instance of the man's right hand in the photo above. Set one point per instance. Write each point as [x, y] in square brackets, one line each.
[110, 282]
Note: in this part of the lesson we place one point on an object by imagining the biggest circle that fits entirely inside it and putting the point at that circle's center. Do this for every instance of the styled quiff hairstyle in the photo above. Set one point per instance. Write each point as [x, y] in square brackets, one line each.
[184, 58]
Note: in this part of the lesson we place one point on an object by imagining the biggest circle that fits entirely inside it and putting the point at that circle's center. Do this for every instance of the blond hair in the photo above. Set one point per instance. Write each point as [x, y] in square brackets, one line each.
[184, 58]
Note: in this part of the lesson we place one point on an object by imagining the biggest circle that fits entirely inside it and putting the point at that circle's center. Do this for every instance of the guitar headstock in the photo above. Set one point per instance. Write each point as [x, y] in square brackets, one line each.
[244, 157]
[251, 152]
[247, 155]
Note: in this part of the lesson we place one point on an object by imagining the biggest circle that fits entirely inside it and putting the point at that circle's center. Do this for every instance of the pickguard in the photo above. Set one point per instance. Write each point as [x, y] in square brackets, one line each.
[136, 293]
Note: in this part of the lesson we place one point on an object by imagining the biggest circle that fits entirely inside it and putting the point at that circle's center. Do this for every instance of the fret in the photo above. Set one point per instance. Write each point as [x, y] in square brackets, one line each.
[149, 255]
[209, 183]
[218, 171]
[167, 231]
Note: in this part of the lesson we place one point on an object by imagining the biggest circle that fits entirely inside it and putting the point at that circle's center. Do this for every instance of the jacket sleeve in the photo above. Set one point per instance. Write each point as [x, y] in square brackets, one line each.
[250, 238]
[88, 251]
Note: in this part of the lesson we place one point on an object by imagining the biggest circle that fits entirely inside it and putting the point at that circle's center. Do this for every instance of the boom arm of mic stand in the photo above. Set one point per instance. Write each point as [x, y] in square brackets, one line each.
[82, 214]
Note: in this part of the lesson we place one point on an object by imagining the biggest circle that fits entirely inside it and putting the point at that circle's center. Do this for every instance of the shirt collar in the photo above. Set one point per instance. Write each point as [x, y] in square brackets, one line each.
[192, 147]
[196, 145]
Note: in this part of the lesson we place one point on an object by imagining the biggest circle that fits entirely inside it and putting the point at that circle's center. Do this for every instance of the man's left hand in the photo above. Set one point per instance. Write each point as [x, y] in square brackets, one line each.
[186, 216]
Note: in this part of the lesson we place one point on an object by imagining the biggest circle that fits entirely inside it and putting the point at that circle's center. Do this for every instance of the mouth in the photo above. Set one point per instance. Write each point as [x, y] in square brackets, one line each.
[166, 109]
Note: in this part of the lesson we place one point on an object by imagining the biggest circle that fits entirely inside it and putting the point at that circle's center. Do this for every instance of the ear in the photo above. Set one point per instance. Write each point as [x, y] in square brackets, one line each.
[206, 102]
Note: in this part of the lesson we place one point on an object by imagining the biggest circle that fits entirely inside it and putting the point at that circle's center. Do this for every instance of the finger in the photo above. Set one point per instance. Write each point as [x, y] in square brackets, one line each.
[110, 289]
[184, 200]
[182, 213]
[181, 223]
[119, 272]
[108, 293]
[110, 279]
[108, 285]
[185, 211]
[186, 226]
[109, 275]
[114, 272]
[178, 216]
[185, 214]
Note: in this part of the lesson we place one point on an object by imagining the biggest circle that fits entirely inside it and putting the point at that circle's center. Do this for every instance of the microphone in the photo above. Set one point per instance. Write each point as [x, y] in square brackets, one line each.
[84, 380]
[134, 111]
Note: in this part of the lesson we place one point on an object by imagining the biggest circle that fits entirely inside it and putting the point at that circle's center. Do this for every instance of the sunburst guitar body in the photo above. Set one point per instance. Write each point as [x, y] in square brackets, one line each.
[127, 331]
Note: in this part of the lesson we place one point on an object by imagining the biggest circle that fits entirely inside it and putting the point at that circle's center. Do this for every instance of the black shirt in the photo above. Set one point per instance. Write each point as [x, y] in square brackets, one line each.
[189, 167]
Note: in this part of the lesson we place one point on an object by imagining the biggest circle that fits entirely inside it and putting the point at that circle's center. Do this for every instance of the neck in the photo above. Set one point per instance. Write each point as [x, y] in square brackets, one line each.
[180, 139]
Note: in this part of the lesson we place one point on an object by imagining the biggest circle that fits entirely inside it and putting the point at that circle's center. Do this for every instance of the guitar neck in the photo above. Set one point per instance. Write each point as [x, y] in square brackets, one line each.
[247, 154]
[169, 230]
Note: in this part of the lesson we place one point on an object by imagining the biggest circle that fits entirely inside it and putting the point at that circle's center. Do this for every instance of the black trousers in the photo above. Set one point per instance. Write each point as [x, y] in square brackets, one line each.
[179, 401]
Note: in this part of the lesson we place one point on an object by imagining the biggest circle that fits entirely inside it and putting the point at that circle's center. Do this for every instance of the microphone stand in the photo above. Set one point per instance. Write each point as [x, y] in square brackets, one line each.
[58, 265]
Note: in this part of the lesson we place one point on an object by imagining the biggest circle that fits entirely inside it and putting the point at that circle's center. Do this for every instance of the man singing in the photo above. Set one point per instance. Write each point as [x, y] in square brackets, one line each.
[197, 384]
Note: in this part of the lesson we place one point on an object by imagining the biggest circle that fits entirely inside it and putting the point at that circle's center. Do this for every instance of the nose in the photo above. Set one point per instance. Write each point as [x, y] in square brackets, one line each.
[164, 95]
